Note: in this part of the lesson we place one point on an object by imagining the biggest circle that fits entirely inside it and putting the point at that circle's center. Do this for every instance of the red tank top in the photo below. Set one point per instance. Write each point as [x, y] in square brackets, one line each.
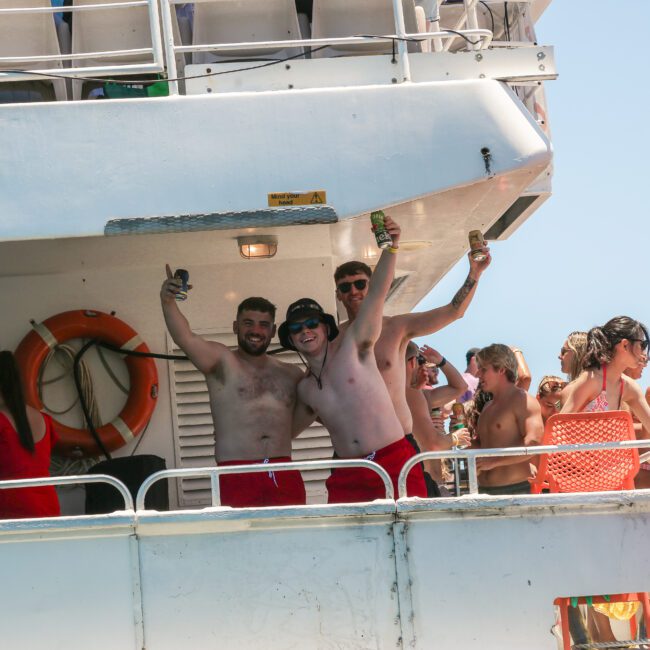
[16, 462]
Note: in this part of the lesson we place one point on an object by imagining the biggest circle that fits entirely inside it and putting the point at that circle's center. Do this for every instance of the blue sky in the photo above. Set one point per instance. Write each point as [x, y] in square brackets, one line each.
[583, 256]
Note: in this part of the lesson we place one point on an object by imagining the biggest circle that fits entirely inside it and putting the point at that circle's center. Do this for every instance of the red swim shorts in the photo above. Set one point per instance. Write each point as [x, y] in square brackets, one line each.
[351, 485]
[285, 488]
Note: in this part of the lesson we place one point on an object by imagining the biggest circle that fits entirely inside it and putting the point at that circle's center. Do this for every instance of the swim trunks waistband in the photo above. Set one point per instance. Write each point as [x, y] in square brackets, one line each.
[278, 459]
[503, 490]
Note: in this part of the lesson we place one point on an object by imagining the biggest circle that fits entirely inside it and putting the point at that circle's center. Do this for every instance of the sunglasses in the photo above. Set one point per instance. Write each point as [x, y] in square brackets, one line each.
[643, 342]
[299, 326]
[345, 287]
[563, 351]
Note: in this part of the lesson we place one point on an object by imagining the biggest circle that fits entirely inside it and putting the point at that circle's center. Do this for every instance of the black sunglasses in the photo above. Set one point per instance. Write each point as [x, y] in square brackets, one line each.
[345, 287]
[643, 342]
[298, 326]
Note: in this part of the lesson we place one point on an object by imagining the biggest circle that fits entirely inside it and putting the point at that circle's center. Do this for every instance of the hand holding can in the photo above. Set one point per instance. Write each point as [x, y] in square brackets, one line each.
[384, 240]
[184, 277]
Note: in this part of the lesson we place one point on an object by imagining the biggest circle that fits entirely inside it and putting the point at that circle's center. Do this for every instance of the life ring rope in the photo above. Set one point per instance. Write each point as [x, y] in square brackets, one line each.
[110, 332]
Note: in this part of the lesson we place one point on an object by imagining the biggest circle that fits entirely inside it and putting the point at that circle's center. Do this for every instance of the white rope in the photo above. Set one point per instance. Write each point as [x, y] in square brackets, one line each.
[61, 466]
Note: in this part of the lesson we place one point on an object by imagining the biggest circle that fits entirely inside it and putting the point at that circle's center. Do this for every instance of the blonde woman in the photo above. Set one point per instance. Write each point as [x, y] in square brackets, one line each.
[572, 354]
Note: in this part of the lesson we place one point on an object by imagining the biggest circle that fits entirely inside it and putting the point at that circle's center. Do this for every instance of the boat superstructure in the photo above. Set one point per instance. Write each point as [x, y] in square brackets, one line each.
[435, 112]
[282, 127]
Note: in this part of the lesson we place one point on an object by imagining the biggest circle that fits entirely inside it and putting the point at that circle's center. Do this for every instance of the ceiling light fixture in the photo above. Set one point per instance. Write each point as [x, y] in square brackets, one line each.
[257, 246]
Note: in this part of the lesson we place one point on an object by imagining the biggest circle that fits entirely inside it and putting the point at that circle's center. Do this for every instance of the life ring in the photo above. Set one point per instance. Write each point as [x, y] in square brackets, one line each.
[134, 417]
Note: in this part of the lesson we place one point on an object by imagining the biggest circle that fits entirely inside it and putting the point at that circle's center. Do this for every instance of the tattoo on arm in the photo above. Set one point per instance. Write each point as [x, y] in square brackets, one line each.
[463, 292]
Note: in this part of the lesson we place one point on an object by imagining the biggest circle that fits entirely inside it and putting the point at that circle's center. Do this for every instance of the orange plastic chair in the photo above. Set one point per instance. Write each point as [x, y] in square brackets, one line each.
[565, 603]
[599, 470]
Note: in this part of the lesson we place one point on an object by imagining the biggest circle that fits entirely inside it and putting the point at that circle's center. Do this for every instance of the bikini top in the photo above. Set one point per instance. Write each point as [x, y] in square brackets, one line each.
[600, 403]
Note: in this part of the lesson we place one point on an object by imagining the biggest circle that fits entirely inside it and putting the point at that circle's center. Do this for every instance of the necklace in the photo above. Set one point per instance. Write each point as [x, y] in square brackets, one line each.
[318, 376]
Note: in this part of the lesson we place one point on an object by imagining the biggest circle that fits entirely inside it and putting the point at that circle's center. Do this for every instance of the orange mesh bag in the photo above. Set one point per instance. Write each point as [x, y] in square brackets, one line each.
[588, 471]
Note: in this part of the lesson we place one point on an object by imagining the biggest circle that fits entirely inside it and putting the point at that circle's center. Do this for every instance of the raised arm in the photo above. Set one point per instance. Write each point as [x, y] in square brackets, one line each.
[523, 371]
[366, 327]
[205, 355]
[428, 322]
[456, 386]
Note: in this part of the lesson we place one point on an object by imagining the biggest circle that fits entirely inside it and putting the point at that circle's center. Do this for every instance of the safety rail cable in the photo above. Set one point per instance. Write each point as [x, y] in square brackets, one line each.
[156, 50]
[214, 472]
[71, 480]
[470, 455]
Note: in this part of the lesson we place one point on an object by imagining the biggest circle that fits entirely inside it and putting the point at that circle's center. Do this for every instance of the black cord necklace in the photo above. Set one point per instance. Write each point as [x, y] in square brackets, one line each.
[318, 376]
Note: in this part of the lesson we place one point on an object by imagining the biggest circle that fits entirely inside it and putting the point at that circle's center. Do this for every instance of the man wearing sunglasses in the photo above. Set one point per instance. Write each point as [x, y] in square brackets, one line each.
[352, 279]
[252, 397]
[343, 387]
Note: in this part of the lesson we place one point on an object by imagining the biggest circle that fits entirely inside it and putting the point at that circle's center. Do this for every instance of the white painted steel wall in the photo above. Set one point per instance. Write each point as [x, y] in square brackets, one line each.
[486, 570]
[468, 573]
[296, 581]
[69, 584]
[367, 147]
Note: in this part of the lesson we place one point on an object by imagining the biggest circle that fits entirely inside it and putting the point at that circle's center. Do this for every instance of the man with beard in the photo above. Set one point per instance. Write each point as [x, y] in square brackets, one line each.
[252, 398]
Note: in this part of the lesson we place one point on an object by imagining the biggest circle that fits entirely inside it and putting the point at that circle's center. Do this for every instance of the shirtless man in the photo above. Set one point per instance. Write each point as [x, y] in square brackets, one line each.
[343, 387]
[252, 399]
[511, 419]
[427, 434]
[352, 280]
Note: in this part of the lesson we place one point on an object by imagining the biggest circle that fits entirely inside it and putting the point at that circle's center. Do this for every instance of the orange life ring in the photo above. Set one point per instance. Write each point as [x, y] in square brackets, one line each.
[134, 417]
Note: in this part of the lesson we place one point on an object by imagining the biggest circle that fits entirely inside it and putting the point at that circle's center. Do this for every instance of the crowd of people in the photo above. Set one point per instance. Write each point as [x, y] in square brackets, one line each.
[377, 393]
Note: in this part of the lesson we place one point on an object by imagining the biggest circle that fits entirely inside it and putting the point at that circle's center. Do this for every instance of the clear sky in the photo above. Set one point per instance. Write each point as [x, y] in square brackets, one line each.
[584, 256]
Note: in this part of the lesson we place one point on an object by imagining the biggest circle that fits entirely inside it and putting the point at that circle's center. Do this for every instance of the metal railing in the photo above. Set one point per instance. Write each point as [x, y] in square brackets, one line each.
[157, 64]
[163, 42]
[214, 472]
[71, 480]
[470, 455]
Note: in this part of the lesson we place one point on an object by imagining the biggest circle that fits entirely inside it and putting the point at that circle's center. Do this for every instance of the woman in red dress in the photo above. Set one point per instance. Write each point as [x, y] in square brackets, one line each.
[26, 440]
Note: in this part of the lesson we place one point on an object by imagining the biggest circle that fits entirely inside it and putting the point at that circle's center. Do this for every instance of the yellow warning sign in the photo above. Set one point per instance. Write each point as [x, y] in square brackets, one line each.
[316, 197]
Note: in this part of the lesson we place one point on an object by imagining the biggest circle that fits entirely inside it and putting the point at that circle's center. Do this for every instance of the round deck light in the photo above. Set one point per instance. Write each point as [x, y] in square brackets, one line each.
[257, 246]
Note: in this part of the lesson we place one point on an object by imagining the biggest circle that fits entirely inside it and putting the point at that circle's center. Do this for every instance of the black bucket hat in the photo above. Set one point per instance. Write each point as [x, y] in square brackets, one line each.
[304, 308]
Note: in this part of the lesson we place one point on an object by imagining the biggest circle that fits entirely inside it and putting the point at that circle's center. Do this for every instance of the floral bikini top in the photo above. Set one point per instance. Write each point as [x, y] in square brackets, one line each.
[600, 403]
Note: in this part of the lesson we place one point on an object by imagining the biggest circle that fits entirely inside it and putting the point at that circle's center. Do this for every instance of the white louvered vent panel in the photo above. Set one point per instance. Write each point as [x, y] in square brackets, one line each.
[194, 433]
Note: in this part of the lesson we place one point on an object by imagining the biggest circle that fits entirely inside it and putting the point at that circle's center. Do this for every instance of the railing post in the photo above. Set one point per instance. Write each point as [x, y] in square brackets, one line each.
[472, 478]
[472, 18]
[402, 45]
[170, 54]
[434, 24]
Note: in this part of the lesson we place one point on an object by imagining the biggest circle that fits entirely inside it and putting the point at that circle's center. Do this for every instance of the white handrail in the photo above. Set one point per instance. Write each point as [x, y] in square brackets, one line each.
[484, 34]
[73, 8]
[71, 480]
[470, 455]
[215, 472]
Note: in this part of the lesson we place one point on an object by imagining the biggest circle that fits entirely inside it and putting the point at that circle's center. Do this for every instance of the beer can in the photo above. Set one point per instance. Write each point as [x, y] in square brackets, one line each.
[184, 277]
[458, 412]
[384, 240]
[476, 243]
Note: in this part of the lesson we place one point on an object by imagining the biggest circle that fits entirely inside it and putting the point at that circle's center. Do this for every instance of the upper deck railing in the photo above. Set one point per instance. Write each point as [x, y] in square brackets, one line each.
[161, 51]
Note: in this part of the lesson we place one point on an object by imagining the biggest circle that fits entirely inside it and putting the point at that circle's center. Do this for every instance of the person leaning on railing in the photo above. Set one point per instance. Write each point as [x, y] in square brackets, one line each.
[26, 440]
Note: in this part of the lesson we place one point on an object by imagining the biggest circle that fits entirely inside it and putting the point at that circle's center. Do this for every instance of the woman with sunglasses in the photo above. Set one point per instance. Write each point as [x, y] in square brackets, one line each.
[620, 344]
